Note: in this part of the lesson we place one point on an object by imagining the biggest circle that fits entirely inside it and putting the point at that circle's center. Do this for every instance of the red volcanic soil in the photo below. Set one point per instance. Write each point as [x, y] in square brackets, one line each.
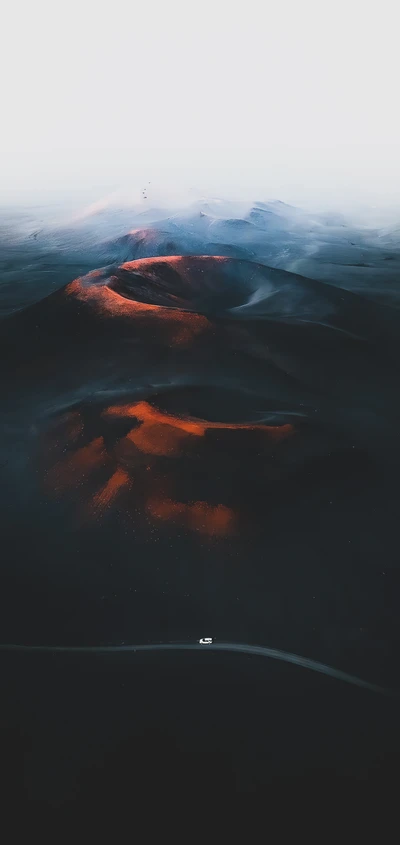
[97, 291]
[144, 468]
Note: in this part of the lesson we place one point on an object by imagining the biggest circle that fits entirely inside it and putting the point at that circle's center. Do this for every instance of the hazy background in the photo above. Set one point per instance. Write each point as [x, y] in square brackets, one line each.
[290, 100]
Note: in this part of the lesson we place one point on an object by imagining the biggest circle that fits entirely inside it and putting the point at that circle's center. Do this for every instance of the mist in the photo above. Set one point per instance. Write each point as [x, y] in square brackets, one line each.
[293, 102]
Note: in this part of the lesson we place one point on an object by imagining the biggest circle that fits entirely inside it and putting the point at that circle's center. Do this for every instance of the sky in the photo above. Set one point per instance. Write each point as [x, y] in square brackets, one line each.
[292, 99]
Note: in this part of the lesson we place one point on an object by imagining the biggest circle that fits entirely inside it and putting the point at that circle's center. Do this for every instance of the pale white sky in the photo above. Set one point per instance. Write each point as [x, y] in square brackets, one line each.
[290, 99]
